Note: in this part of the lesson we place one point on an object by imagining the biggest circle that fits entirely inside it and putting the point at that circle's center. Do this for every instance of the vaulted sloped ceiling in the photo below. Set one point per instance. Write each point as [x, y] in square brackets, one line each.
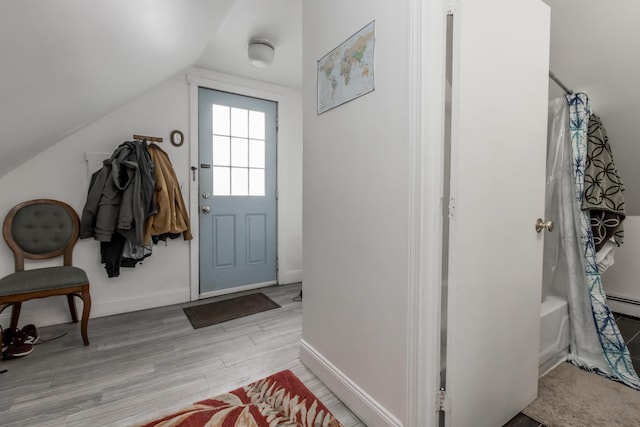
[278, 21]
[595, 48]
[65, 63]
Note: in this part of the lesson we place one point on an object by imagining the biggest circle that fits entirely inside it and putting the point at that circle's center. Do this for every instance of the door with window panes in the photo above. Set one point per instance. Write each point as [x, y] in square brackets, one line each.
[237, 191]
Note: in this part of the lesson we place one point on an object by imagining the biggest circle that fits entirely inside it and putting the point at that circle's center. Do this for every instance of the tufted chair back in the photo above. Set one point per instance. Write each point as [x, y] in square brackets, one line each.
[41, 229]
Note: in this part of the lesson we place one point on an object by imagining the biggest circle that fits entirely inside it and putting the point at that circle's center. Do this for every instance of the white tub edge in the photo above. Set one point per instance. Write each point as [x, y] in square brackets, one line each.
[554, 333]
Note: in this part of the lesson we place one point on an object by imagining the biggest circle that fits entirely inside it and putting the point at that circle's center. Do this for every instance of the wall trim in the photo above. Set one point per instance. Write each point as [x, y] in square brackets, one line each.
[59, 314]
[627, 306]
[194, 211]
[44, 317]
[291, 276]
[355, 398]
[113, 306]
[427, 82]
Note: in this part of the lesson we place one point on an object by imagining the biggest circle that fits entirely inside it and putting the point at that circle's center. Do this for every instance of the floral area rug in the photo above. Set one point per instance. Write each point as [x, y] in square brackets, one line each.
[278, 400]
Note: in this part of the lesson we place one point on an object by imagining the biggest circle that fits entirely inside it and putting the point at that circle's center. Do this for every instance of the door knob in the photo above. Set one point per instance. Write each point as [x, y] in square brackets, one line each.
[206, 209]
[543, 225]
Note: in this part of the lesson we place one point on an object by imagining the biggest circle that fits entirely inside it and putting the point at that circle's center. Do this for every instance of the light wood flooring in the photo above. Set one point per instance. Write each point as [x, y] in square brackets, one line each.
[148, 363]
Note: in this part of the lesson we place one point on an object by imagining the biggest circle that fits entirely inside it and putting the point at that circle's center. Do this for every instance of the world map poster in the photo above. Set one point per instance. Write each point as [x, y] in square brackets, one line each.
[346, 72]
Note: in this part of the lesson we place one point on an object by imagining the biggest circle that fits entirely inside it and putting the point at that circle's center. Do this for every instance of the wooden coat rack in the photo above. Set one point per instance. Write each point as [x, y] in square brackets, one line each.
[148, 138]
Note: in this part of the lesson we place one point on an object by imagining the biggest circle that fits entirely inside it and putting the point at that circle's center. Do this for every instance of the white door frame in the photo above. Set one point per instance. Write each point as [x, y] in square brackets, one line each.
[427, 79]
[194, 211]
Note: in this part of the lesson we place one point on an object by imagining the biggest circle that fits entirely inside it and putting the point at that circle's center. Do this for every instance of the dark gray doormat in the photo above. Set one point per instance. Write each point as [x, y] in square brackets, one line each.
[229, 309]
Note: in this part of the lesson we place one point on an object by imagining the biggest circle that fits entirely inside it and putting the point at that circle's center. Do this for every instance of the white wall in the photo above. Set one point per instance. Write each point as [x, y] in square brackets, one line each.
[356, 215]
[620, 281]
[61, 172]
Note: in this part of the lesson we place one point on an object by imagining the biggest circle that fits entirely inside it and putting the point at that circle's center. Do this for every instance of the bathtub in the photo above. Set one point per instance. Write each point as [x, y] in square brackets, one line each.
[554, 333]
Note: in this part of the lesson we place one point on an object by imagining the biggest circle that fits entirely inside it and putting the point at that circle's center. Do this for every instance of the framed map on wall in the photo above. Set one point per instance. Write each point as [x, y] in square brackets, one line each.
[346, 72]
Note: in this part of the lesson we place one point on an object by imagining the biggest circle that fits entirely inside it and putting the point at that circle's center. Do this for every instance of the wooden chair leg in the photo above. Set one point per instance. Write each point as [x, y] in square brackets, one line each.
[86, 310]
[72, 308]
[15, 314]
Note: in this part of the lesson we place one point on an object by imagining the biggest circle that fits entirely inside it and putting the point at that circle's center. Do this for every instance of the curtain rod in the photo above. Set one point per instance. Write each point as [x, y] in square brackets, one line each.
[557, 80]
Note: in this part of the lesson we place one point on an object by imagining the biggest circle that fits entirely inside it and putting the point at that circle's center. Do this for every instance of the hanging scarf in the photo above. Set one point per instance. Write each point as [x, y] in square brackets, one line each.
[614, 348]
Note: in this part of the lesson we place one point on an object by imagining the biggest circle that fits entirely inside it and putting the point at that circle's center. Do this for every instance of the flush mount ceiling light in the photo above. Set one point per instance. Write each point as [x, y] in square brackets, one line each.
[261, 53]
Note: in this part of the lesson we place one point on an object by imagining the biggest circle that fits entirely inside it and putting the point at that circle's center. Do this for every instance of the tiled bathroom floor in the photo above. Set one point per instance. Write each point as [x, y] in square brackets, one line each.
[630, 329]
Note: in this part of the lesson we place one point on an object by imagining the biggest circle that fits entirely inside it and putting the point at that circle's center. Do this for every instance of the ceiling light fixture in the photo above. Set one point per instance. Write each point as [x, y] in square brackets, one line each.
[261, 53]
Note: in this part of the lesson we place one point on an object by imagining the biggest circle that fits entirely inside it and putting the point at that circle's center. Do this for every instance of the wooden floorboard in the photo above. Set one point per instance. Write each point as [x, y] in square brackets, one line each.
[142, 365]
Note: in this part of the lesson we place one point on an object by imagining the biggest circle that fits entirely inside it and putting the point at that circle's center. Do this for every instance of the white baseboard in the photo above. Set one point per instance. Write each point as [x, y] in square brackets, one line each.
[357, 400]
[630, 308]
[139, 302]
[46, 317]
[291, 276]
[55, 311]
[553, 362]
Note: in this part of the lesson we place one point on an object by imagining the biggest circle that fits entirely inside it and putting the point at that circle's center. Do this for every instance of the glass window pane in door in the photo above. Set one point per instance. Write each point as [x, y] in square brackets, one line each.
[239, 122]
[239, 152]
[221, 181]
[221, 153]
[256, 182]
[239, 182]
[256, 124]
[256, 153]
[220, 119]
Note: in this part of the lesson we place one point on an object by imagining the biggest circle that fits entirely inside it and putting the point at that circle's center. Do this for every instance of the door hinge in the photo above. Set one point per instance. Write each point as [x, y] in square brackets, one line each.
[448, 209]
[452, 207]
[443, 401]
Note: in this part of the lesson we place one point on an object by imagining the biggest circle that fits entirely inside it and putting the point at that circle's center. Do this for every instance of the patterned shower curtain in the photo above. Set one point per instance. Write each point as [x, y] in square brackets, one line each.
[614, 350]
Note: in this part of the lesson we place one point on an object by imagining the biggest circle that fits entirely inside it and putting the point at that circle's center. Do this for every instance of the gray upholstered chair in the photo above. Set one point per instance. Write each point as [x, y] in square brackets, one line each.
[43, 229]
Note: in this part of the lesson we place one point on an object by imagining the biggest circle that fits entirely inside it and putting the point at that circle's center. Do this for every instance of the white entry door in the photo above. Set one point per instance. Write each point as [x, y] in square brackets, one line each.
[237, 191]
[499, 129]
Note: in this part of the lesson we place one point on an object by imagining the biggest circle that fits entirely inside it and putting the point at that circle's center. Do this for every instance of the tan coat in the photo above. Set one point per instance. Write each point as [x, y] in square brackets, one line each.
[172, 216]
